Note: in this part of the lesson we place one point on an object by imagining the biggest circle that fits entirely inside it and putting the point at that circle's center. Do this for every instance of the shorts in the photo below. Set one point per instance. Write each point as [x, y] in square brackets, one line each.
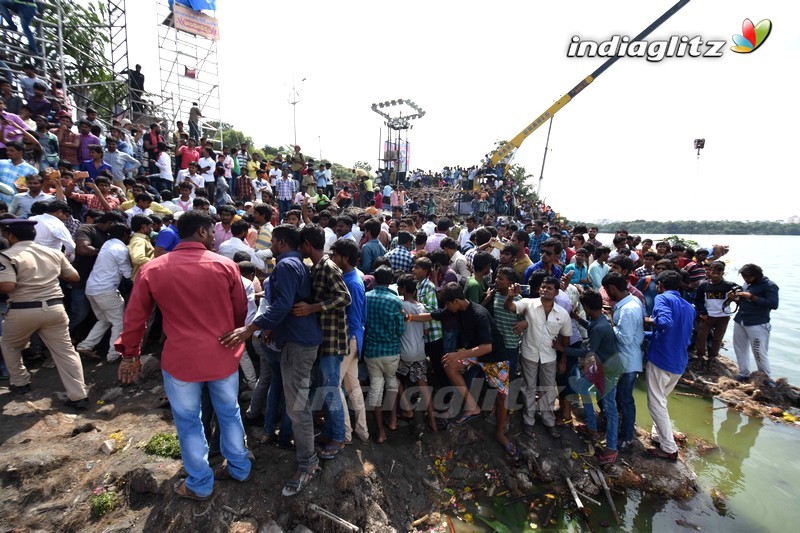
[413, 371]
[496, 373]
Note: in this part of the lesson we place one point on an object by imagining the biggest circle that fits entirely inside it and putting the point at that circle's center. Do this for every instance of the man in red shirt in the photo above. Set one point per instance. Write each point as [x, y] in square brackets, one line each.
[193, 357]
[188, 153]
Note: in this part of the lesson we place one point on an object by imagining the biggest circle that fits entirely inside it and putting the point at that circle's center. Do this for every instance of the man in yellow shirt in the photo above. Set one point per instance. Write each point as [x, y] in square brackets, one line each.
[253, 165]
[140, 248]
[155, 207]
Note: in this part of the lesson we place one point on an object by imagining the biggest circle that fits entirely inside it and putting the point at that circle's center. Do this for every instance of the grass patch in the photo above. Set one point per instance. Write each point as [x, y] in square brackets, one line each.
[164, 445]
[103, 503]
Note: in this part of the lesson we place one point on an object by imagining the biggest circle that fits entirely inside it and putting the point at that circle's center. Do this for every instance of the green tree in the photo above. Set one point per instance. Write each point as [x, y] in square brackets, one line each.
[230, 137]
[86, 37]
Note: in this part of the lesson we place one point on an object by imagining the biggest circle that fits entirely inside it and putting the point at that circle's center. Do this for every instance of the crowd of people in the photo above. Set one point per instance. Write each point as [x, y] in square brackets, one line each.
[297, 289]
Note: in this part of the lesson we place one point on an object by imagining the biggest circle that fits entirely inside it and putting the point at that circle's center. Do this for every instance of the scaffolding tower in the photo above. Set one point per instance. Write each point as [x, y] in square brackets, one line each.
[188, 66]
[64, 63]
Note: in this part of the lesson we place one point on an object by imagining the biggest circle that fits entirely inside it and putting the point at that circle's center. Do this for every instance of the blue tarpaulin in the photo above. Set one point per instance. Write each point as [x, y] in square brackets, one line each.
[197, 5]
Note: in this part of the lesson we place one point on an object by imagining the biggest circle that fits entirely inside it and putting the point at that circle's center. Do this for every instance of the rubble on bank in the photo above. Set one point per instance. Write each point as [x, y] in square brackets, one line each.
[781, 403]
[53, 470]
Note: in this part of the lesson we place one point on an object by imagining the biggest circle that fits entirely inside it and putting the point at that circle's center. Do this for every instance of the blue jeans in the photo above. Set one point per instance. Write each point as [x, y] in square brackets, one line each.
[258, 400]
[209, 420]
[627, 407]
[609, 408]
[79, 307]
[276, 400]
[283, 207]
[184, 398]
[329, 366]
[26, 14]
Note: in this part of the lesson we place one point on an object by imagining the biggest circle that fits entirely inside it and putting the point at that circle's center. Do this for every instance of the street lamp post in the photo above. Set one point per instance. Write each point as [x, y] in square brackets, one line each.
[294, 99]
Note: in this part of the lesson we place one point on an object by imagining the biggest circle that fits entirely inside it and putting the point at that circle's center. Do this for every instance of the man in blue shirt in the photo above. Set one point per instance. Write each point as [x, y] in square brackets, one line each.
[372, 249]
[551, 250]
[298, 337]
[669, 342]
[344, 253]
[751, 324]
[628, 324]
[167, 238]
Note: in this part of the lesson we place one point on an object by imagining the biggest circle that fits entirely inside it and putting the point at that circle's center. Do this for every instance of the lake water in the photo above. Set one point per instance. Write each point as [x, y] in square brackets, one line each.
[755, 465]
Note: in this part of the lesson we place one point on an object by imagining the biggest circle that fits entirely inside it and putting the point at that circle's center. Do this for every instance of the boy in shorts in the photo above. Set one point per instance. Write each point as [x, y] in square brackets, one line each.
[412, 371]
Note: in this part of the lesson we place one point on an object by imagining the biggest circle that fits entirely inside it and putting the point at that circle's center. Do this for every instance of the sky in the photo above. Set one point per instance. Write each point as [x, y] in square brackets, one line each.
[482, 71]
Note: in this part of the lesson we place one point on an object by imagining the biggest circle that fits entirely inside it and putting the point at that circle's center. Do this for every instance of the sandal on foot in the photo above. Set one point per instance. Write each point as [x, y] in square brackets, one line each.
[529, 431]
[330, 451]
[463, 419]
[299, 481]
[512, 451]
[223, 473]
[183, 491]
[607, 457]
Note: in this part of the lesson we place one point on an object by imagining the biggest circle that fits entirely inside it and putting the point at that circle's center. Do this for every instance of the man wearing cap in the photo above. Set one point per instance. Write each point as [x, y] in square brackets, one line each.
[29, 274]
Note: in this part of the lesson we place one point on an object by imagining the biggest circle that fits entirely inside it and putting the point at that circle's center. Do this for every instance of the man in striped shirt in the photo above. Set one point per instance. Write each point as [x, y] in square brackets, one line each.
[434, 339]
[331, 298]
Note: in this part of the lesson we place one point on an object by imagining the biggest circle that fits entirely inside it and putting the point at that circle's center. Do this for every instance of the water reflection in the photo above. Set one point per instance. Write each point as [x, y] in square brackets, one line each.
[736, 436]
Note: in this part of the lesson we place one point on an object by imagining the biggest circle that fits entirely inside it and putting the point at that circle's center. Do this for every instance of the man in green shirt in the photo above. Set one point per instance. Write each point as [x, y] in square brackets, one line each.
[475, 288]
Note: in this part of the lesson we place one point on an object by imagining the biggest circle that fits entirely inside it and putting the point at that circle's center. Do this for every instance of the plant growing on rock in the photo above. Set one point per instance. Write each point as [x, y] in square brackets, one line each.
[103, 503]
[165, 445]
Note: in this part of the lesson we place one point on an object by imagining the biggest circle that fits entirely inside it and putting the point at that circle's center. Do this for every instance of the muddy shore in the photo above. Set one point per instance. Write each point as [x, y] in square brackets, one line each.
[52, 466]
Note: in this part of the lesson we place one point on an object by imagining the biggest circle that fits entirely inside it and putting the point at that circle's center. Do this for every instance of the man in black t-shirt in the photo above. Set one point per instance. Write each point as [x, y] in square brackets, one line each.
[89, 238]
[476, 331]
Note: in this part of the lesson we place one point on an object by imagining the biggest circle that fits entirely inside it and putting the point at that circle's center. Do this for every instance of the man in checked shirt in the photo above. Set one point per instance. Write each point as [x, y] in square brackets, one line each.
[331, 298]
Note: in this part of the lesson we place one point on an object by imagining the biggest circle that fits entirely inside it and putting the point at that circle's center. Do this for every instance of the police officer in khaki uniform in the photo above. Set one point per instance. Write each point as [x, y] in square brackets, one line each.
[29, 273]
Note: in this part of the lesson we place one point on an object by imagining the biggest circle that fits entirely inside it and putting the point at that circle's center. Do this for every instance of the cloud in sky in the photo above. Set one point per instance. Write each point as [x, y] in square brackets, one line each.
[483, 70]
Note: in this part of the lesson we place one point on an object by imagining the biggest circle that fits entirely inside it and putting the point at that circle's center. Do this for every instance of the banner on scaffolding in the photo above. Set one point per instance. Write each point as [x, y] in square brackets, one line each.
[397, 157]
[197, 5]
[195, 22]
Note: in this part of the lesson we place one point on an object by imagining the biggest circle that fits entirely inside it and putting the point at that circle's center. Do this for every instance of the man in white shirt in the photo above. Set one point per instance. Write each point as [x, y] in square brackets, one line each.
[261, 183]
[51, 231]
[22, 202]
[236, 243]
[620, 244]
[547, 323]
[457, 260]
[189, 174]
[142, 207]
[466, 233]
[274, 175]
[113, 263]
[164, 164]
[206, 166]
[429, 227]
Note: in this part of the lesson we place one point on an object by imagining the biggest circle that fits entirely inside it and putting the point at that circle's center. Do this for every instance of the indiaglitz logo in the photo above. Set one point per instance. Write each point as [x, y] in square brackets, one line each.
[656, 50]
[752, 36]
